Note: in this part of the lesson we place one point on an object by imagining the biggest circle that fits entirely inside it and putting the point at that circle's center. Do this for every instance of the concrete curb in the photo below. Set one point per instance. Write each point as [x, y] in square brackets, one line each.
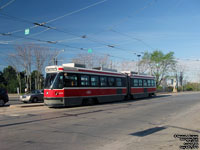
[27, 105]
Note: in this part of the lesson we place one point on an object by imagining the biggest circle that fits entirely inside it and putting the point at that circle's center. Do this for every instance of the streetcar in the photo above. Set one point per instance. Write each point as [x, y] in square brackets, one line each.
[73, 84]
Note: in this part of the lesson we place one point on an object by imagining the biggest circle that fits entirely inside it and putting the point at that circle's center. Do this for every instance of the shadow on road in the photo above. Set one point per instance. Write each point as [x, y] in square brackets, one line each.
[157, 129]
[148, 131]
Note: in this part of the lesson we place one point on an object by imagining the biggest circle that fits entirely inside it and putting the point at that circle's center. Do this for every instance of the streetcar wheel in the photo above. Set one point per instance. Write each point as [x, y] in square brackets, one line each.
[84, 102]
[90, 101]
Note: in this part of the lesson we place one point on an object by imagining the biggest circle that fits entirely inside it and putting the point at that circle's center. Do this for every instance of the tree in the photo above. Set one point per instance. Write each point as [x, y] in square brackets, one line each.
[10, 76]
[13, 61]
[34, 76]
[128, 66]
[159, 64]
[92, 60]
[42, 56]
[31, 56]
[23, 57]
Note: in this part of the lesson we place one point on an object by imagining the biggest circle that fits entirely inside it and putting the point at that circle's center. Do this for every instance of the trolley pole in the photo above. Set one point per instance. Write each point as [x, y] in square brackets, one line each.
[138, 64]
[55, 58]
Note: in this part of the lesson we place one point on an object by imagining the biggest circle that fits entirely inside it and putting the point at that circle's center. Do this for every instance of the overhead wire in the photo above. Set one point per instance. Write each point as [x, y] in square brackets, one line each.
[74, 47]
[4, 6]
[113, 26]
[44, 25]
[73, 12]
[28, 36]
[136, 12]
[126, 18]
[137, 39]
[48, 27]
[66, 32]
[68, 14]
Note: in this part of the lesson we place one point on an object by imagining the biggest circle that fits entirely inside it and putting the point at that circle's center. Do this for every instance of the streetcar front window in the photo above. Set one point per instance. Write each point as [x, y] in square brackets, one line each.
[50, 77]
[58, 83]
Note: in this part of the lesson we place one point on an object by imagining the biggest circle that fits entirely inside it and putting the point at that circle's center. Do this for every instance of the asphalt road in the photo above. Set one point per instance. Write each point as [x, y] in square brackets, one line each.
[100, 127]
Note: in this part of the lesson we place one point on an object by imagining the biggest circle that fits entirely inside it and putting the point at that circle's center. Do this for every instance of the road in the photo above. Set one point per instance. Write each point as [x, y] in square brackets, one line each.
[142, 124]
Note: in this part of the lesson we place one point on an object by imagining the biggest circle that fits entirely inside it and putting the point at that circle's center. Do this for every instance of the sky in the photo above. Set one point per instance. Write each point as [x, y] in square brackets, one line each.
[131, 26]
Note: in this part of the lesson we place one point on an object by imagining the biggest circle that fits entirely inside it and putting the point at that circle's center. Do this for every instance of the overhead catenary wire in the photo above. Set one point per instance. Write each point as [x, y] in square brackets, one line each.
[137, 39]
[4, 6]
[76, 11]
[68, 32]
[43, 41]
[49, 27]
[54, 28]
[126, 18]
[27, 36]
[136, 12]
[44, 25]
[68, 14]
[69, 46]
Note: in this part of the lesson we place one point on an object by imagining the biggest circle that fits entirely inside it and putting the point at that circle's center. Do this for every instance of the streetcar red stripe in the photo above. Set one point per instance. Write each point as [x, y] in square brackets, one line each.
[83, 92]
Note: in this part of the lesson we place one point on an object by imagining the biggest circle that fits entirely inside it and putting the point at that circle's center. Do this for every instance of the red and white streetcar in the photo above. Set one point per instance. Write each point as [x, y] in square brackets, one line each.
[72, 84]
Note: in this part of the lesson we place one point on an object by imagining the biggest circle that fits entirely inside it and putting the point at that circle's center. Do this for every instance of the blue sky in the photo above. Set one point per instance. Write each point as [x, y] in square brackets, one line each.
[167, 25]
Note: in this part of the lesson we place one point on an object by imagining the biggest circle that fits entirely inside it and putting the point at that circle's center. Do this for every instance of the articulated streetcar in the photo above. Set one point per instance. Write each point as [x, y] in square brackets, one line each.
[72, 84]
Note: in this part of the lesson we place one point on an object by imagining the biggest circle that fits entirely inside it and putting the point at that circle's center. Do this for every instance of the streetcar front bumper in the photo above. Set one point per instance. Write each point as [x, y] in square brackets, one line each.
[54, 102]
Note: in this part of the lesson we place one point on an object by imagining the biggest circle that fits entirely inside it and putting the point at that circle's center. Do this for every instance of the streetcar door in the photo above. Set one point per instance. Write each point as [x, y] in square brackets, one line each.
[145, 86]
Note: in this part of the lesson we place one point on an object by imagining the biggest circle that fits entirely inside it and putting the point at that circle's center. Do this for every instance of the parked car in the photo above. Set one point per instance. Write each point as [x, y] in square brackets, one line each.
[32, 97]
[3, 96]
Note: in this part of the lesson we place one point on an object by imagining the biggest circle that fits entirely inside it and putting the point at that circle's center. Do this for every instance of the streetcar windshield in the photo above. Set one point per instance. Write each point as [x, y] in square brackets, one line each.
[50, 77]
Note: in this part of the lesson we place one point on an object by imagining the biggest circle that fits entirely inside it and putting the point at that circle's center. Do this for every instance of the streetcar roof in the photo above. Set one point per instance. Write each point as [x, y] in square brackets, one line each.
[65, 68]
[133, 74]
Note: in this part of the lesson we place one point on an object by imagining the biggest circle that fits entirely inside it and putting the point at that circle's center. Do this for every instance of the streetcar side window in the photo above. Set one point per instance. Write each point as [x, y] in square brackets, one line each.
[149, 83]
[131, 82]
[103, 81]
[153, 83]
[145, 83]
[140, 83]
[111, 81]
[85, 80]
[94, 81]
[124, 82]
[135, 82]
[118, 82]
[70, 80]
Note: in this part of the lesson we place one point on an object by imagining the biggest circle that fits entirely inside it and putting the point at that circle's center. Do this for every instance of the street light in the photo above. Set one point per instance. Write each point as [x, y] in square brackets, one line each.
[55, 58]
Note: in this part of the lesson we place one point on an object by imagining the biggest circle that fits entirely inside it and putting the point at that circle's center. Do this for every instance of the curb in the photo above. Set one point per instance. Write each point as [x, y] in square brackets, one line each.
[27, 105]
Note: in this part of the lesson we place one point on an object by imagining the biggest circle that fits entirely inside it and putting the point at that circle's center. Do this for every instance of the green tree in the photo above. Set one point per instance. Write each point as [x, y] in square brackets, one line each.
[159, 64]
[10, 77]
